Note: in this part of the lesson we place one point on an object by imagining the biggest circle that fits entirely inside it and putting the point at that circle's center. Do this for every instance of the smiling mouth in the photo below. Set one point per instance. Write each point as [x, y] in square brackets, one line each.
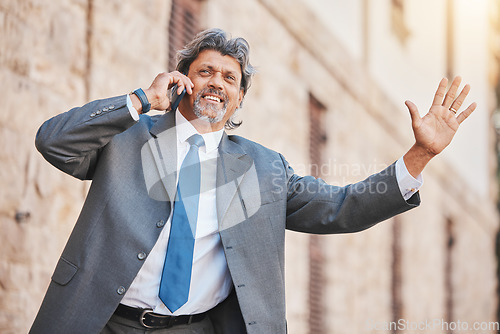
[213, 98]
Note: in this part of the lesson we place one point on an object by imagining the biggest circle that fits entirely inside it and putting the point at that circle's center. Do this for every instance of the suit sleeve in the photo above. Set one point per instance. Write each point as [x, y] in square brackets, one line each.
[71, 141]
[314, 206]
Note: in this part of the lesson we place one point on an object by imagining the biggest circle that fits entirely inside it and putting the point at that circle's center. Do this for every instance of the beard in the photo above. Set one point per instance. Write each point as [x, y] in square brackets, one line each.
[209, 112]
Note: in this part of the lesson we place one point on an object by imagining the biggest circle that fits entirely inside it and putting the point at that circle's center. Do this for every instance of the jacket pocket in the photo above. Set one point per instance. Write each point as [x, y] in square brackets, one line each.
[64, 272]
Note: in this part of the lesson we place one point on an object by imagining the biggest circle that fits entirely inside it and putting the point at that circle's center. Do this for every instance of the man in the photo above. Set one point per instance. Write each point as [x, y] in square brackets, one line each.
[174, 189]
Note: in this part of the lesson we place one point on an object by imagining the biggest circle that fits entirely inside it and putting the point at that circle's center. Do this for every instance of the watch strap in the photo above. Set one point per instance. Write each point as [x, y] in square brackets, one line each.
[146, 106]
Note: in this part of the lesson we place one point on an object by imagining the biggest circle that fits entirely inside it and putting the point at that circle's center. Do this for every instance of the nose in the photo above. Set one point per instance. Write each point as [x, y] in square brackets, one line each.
[216, 81]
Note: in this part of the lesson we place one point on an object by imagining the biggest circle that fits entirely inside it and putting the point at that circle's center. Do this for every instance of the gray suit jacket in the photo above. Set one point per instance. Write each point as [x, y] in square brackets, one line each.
[132, 168]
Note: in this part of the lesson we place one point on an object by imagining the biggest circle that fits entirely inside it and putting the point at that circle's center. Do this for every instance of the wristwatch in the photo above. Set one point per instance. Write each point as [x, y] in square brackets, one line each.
[146, 106]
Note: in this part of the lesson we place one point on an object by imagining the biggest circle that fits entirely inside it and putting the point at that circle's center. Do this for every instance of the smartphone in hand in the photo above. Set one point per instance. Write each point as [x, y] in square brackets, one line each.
[176, 98]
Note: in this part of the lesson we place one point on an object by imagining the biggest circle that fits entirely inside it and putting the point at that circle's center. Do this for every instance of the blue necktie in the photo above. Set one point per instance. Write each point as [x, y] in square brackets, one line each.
[176, 276]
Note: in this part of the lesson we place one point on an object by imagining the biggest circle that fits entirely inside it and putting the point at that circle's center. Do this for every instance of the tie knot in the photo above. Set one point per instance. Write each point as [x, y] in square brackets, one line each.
[196, 140]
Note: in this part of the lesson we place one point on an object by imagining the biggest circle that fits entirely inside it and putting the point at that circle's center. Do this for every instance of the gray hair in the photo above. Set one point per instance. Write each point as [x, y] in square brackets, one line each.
[218, 40]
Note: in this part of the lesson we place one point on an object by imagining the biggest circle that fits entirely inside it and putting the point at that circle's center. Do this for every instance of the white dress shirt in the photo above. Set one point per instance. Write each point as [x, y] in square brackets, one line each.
[210, 279]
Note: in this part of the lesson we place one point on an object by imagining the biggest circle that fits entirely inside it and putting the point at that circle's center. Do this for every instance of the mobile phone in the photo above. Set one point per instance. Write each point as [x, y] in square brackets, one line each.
[176, 98]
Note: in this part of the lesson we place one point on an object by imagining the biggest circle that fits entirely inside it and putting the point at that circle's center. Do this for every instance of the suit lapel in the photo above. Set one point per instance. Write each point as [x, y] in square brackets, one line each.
[232, 166]
[164, 148]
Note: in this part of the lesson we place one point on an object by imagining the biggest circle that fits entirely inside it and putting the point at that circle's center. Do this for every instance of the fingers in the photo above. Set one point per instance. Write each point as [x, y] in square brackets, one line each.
[455, 105]
[159, 89]
[414, 114]
[466, 113]
[438, 97]
[448, 100]
[182, 81]
[452, 92]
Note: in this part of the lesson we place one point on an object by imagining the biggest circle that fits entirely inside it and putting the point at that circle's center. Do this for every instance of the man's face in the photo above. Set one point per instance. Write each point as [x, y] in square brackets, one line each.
[216, 93]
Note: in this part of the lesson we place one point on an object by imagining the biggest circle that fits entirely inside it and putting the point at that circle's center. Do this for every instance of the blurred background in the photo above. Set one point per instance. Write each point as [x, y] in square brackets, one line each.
[329, 94]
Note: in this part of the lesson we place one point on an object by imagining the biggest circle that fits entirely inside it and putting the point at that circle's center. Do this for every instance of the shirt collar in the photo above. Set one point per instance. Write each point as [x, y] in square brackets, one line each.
[185, 129]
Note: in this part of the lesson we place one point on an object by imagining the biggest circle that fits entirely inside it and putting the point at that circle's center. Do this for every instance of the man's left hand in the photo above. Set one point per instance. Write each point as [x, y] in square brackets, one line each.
[436, 129]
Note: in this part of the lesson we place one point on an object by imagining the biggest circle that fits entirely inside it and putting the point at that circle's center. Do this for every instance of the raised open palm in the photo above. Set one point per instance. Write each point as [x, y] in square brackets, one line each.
[435, 130]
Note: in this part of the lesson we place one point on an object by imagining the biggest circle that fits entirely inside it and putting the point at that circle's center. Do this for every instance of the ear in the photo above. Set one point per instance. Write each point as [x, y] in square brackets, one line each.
[240, 98]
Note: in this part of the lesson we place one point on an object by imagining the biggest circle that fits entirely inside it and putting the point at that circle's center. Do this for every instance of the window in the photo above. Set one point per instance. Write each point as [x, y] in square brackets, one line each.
[317, 279]
[396, 273]
[183, 26]
[398, 23]
[317, 135]
[448, 270]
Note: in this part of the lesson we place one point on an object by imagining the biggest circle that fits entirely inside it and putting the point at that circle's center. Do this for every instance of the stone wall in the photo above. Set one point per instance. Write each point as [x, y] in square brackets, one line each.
[58, 54]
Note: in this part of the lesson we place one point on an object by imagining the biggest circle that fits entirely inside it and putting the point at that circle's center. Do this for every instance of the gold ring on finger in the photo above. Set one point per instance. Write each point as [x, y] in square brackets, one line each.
[453, 109]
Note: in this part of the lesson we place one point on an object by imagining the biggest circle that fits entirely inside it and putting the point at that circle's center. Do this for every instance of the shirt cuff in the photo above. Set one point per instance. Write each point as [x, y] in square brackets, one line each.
[133, 112]
[408, 185]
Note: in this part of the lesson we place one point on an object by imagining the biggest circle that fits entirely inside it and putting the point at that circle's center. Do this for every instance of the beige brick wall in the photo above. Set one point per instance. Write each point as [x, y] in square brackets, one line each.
[46, 68]
[41, 65]
[58, 54]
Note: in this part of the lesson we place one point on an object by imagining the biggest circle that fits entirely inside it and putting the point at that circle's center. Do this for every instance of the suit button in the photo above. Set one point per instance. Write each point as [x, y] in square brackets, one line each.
[111, 107]
[105, 109]
[93, 114]
[98, 112]
[160, 223]
[141, 256]
[120, 290]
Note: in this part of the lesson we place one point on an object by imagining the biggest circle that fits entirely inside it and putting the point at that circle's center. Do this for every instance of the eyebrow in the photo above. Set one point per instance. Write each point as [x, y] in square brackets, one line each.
[212, 68]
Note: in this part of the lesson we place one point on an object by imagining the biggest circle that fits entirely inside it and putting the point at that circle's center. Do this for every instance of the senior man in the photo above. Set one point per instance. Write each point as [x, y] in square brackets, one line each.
[183, 228]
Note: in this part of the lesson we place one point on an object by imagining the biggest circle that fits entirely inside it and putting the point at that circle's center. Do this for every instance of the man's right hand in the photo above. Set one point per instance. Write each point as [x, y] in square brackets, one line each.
[158, 92]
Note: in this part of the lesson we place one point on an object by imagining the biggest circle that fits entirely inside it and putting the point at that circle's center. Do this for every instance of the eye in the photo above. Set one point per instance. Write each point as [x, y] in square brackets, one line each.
[204, 71]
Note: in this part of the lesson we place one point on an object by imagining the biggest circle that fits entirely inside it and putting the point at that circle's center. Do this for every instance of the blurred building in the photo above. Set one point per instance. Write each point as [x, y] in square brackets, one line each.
[329, 95]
